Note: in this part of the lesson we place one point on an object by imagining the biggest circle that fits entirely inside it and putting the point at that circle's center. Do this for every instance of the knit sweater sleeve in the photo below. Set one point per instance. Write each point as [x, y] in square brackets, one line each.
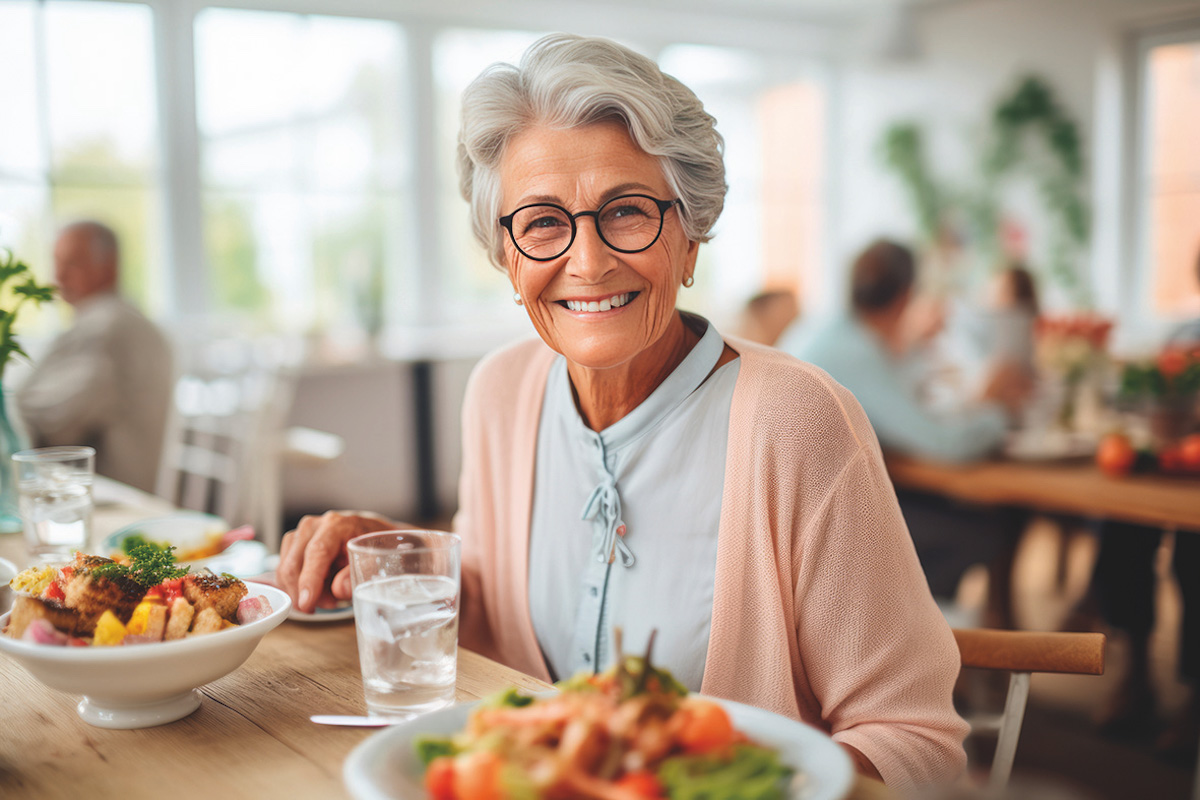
[878, 656]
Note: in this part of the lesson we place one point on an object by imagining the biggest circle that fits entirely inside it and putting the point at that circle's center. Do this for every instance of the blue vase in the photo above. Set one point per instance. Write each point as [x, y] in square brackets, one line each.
[10, 442]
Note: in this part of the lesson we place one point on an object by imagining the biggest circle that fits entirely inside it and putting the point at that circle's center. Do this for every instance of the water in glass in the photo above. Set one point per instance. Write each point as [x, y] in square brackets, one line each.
[56, 504]
[407, 643]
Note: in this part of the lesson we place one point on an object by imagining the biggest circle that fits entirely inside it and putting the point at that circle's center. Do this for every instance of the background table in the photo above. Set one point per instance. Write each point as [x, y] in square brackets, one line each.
[251, 736]
[1076, 488]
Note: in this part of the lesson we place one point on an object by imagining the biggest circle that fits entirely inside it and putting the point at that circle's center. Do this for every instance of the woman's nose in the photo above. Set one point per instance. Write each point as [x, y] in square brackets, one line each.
[589, 258]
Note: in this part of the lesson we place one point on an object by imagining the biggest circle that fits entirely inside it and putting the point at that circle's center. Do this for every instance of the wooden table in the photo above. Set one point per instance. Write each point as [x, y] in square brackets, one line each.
[251, 736]
[1075, 488]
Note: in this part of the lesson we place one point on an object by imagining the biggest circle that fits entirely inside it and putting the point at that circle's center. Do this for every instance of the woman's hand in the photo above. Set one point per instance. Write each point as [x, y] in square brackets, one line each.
[313, 567]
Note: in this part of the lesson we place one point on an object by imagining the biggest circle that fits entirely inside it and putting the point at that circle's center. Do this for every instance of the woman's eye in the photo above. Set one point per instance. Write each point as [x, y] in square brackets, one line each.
[544, 222]
[627, 211]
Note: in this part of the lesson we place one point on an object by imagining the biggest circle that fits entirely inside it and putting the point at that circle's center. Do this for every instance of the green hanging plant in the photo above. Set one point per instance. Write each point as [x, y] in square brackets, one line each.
[1029, 131]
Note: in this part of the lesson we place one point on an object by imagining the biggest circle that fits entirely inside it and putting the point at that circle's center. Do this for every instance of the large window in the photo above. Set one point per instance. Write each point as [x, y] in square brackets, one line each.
[312, 186]
[1170, 186]
[77, 85]
[304, 166]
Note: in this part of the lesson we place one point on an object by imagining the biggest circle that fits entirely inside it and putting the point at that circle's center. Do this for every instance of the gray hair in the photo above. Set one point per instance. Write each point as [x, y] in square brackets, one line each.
[101, 239]
[567, 81]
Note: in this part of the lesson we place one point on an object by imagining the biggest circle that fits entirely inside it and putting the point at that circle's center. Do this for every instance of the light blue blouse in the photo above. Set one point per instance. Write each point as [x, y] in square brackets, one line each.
[624, 526]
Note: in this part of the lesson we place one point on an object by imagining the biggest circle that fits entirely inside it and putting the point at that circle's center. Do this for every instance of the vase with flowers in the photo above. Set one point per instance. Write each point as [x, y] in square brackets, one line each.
[18, 287]
[1165, 391]
[1071, 352]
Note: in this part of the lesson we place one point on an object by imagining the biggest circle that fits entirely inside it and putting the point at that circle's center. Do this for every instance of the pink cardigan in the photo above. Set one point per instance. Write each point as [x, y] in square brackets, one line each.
[820, 612]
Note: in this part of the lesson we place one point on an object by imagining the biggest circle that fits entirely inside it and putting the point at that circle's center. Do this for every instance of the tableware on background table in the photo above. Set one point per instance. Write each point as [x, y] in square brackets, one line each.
[386, 764]
[196, 532]
[55, 489]
[406, 592]
[140, 686]
[1049, 445]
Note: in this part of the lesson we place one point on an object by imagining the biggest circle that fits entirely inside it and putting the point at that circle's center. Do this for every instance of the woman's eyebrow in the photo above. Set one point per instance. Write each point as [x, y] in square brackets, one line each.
[625, 188]
[608, 194]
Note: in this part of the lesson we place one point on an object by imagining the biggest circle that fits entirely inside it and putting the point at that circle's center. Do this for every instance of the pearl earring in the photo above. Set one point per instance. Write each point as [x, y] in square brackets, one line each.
[688, 281]
[517, 298]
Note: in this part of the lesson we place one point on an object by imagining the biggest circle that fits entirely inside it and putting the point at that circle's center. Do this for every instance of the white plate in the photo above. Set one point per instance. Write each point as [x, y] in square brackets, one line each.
[190, 529]
[323, 614]
[1049, 446]
[386, 767]
[140, 686]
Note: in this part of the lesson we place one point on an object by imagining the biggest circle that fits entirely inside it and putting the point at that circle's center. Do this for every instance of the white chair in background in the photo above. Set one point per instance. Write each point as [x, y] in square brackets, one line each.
[227, 436]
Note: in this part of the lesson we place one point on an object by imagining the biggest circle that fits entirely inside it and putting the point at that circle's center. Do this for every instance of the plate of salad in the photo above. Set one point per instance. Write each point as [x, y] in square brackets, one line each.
[632, 733]
[200, 540]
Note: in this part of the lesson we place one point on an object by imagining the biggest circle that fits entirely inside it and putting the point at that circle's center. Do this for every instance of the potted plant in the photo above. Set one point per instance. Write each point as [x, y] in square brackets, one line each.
[1166, 390]
[18, 286]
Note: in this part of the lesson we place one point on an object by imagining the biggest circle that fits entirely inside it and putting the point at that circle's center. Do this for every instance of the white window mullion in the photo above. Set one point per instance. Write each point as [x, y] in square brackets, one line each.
[429, 310]
[187, 284]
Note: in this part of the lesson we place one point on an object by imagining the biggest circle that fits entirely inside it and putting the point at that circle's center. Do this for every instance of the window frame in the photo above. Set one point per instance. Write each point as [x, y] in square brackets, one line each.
[1135, 279]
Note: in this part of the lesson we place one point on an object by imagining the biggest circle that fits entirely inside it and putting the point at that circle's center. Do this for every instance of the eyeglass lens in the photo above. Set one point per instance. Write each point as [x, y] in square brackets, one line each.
[628, 224]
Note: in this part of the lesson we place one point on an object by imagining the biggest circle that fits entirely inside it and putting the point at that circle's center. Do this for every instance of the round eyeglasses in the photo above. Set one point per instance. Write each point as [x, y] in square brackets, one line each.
[630, 223]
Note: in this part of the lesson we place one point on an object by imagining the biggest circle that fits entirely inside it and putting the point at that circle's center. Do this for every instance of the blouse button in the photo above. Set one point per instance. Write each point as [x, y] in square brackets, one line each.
[587, 658]
[594, 591]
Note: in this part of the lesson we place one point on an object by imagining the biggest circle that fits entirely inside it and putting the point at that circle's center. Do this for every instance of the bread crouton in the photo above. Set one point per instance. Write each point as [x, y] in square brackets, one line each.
[207, 621]
[156, 623]
[180, 620]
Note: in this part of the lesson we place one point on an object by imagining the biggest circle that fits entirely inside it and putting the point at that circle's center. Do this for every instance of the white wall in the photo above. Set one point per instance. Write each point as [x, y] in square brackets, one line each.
[970, 54]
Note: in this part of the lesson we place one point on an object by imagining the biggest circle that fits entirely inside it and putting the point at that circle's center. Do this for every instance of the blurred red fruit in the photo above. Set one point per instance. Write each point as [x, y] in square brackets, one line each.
[1115, 455]
[1189, 452]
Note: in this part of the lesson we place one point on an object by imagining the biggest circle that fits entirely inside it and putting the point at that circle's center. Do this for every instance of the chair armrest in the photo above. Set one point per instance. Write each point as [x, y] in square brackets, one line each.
[1031, 651]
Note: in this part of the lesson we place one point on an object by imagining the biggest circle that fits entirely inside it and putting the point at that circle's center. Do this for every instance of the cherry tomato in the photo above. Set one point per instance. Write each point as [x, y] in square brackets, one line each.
[54, 592]
[1115, 455]
[706, 726]
[643, 784]
[439, 779]
[477, 776]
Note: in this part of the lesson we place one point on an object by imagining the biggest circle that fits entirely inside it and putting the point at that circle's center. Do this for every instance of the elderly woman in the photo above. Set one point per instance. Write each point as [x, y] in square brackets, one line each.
[633, 468]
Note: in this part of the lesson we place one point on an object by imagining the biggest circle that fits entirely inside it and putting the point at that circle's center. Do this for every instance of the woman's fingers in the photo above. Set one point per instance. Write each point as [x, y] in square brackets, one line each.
[291, 555]
[341, 585]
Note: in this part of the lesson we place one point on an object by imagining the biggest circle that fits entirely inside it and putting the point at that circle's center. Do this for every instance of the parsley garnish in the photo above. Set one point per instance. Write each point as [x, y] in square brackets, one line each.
[149, 566]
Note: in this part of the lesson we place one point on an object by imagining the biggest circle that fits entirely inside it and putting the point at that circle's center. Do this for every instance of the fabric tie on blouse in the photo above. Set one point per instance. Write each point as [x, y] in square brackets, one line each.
[603, 507]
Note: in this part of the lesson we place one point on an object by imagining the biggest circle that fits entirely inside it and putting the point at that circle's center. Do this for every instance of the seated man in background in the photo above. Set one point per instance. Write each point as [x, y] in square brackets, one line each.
[107, 381]
[866, 350]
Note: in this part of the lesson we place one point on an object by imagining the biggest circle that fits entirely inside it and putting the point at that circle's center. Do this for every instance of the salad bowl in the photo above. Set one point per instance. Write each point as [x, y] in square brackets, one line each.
[140, 686]
[386, 767]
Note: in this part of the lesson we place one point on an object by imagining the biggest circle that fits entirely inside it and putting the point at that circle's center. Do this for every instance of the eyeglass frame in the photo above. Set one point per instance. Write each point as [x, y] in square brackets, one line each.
[663, 207]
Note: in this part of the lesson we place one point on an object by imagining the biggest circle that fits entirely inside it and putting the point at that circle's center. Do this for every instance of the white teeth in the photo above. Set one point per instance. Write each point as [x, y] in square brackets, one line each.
[616, 301]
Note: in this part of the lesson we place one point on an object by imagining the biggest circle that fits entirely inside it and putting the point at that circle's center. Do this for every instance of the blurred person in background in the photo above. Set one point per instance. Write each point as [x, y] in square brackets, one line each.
[867, 350]
[107, 380]
[767, 315]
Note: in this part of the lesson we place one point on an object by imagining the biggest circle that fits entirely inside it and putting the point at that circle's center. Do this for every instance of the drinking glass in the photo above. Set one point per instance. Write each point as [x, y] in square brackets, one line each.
[54, 486]
[406, 593]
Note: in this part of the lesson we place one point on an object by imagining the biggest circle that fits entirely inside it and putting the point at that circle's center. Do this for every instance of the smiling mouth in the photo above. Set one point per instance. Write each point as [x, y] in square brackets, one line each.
[594, 306]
